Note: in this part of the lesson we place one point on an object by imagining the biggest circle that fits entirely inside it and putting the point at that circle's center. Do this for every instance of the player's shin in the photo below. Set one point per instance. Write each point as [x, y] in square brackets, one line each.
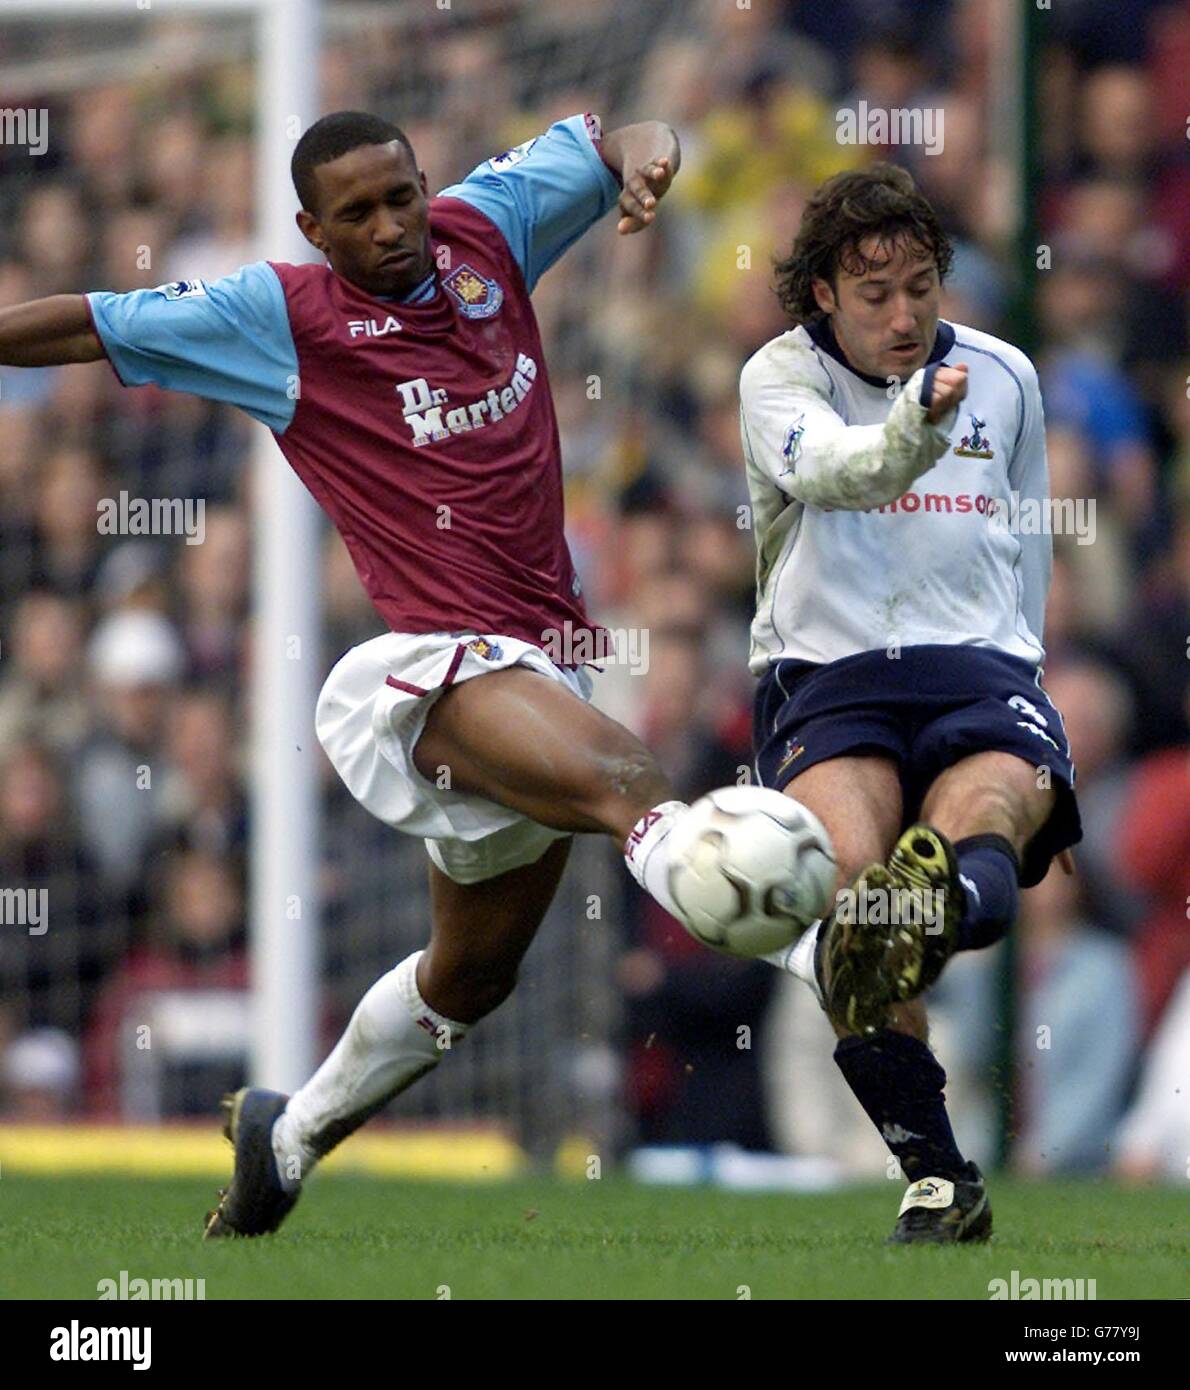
[393, 1038]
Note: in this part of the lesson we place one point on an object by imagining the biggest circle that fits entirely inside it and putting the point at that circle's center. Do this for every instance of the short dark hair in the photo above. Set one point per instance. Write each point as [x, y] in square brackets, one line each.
[880, 200]
[335, 135]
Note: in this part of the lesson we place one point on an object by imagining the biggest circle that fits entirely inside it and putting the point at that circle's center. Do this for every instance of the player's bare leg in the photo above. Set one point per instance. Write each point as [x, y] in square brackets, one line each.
[989, 794]
[977, 819]
[526, 743]
[889, 1068]
[401, 1029]
[413, 1015]
[531, 745]
[481, 932]
[858, 799]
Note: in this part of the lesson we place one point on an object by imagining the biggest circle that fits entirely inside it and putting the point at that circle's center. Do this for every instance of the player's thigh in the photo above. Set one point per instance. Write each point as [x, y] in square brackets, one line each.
[531, 744]
[990, 793]
[858, 799]
[481, 931]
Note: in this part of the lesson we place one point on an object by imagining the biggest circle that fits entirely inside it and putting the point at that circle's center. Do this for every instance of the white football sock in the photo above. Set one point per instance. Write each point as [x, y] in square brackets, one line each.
[798, 959]
[393, 1038]
[647, 854]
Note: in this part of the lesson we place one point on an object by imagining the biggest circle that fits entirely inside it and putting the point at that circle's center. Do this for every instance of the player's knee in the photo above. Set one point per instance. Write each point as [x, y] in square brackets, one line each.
[992, 811]
[1010, 807]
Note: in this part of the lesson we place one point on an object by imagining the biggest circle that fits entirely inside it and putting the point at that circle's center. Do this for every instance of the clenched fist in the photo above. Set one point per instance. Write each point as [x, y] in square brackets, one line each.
[950, 387]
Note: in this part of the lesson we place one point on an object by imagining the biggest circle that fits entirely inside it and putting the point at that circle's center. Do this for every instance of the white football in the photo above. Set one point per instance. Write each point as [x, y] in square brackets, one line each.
[750, 869]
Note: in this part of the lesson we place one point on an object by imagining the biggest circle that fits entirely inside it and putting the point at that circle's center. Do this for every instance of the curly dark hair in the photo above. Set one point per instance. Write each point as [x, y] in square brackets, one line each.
[880, 200]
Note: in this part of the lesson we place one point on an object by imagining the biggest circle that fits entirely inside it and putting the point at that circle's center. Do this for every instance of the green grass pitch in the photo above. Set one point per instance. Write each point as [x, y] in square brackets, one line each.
[356, 1237]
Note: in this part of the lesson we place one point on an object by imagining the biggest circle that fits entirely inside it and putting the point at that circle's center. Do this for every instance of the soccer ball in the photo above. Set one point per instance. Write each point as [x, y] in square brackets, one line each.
[750, 869]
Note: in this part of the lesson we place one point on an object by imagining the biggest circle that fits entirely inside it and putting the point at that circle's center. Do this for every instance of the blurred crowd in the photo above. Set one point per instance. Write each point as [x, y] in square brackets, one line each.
[124, 680]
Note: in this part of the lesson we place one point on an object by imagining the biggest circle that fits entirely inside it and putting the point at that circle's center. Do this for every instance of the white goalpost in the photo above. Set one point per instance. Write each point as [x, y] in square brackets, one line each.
[286, 654]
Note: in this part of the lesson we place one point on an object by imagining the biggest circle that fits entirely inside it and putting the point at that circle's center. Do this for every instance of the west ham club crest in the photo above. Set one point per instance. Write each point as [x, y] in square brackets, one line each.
[476, 296]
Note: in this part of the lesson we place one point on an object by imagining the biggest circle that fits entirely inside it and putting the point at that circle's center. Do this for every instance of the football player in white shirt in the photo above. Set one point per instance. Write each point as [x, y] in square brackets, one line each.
[896, 465]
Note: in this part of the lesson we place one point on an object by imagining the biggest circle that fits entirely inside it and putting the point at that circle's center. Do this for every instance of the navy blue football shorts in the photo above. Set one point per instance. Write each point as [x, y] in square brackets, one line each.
[926, 709]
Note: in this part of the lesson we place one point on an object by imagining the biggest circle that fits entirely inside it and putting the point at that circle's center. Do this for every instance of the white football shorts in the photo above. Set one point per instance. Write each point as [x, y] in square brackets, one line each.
[370, 714]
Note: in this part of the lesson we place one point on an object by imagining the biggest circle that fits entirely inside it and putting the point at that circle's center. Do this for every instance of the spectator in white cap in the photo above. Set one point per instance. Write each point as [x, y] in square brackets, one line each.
[136, 661]
[40, 1071]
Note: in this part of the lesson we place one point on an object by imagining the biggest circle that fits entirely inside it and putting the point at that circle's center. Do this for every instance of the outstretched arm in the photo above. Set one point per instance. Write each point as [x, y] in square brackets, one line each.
[229, 340]
[544, 194]
[48, 333]
[645, 158]
[794, 437]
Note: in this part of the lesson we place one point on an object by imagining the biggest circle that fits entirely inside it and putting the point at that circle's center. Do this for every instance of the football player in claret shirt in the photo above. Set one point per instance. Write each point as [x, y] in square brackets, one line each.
[423, 425]
[898, 641]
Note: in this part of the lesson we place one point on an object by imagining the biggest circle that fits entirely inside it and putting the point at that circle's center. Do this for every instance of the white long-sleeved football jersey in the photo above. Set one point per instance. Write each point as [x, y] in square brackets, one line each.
[874, 527]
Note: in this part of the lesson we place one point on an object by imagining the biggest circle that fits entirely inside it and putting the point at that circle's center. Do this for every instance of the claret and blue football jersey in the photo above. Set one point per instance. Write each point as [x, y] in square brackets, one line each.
[425, 428]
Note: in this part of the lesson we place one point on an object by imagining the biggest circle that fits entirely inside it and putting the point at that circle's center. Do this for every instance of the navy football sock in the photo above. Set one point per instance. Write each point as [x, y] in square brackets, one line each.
[990, 872]
[898, 1081]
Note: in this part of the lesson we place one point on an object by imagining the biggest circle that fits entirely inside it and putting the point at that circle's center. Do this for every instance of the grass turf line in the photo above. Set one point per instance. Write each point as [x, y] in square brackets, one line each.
[357, 1237]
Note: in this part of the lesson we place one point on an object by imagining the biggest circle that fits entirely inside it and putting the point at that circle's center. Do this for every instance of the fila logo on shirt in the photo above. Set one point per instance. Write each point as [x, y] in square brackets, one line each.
[432, 419]
[371, 329]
